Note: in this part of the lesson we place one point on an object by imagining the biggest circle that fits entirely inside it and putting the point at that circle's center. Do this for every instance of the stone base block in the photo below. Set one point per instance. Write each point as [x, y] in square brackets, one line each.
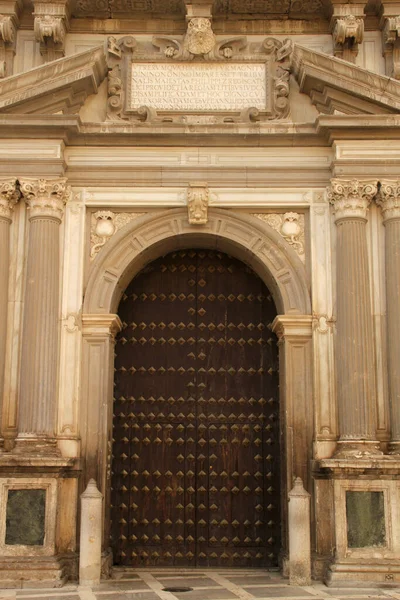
[356, 574]
[29, 572]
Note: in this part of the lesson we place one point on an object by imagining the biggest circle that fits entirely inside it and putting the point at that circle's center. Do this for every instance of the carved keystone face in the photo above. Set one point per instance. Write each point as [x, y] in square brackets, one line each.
[199, 24]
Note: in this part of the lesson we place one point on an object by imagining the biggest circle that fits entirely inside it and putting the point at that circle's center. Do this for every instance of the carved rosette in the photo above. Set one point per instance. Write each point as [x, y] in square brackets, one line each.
[389, 199]
[351, 198]
[9, 196]
[198, 197]
[45, 198]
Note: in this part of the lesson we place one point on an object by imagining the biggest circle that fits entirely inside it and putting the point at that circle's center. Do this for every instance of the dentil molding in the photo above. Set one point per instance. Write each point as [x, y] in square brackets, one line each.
[351, 198]
[45, 197]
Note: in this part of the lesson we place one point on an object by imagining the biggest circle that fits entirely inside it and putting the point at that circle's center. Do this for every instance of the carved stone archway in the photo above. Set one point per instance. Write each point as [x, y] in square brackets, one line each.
[254, 243]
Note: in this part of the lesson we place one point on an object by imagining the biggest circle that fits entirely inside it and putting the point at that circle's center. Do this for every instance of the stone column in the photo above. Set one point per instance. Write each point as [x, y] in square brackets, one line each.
[39, 359]
[389, 201]
[9, 195]
[355, 366]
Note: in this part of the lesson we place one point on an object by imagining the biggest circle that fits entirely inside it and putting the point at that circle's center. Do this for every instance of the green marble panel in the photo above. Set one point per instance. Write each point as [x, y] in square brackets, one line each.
[25, 517]
[365, 519]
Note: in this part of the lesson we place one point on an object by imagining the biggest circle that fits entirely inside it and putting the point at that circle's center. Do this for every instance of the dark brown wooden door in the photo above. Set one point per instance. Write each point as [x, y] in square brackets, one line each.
[195, 476]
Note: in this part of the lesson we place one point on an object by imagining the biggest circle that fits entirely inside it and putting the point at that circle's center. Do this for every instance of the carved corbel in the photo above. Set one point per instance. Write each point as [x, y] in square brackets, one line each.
[198, 198]
[391, 45]
[347, 33]
[50, 27]
[116, 51]
[8, 35]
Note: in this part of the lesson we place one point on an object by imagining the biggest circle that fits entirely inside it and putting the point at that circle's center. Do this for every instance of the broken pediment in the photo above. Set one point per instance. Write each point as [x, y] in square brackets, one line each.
[337, 86]
[61, 86]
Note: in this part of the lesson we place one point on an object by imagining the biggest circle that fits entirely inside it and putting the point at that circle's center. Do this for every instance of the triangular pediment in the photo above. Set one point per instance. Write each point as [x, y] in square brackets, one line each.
[337, 86]
[61, 86]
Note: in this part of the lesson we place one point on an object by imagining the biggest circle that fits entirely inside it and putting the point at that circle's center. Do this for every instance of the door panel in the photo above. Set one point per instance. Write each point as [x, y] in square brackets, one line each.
[196, 446]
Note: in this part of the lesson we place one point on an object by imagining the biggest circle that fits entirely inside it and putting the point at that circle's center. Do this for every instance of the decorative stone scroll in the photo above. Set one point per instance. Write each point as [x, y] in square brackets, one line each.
[227, 83]
[290, 225]
[104, 224]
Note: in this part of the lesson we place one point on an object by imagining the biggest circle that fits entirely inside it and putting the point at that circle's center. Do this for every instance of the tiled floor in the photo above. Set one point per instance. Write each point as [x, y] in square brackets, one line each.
[143, 584]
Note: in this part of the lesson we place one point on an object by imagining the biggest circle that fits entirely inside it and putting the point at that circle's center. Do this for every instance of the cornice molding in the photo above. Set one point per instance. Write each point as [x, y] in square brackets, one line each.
[334, 84]
[61, 86]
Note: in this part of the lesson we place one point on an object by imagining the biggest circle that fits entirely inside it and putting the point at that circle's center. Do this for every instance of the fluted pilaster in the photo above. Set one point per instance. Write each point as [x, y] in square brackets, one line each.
[389, 201]
[9, 195]
[38, 385]
[356, 386]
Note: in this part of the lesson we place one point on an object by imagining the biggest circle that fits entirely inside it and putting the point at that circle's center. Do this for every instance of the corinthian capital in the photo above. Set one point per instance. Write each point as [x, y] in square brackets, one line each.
[9, 196]
[45, 197]
[351, 198]
[389, 199]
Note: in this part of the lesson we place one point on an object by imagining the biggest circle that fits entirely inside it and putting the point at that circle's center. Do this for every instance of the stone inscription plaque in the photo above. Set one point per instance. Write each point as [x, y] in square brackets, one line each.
[199, 87]
[25, 517]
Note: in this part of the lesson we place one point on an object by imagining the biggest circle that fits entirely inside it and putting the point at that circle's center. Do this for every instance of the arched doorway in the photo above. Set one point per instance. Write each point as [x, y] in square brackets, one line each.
[195, 470]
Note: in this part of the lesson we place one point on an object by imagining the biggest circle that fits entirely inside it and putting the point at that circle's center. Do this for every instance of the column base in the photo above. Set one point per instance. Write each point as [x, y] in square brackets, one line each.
[358, 449]
[394, 448]
[36, 445]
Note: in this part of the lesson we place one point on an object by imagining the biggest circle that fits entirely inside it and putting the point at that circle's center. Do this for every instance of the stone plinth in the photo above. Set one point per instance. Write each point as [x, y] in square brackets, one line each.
[299, 535]
[91, 535]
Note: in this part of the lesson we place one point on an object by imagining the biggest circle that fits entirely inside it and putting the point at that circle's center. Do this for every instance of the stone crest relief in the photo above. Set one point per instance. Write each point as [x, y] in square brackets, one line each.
[105, 224]
[198, 77]
[291, 227]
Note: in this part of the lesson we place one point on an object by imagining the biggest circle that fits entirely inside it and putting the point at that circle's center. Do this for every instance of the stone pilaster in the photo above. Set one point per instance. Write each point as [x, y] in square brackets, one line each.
[356, 386]
[389, 201]
[38, 384]
[98, 331]
[296, 402]
[9, 195]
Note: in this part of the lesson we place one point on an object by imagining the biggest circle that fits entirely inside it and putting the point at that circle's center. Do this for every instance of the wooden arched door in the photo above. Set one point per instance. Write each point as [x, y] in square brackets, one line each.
[195, 470]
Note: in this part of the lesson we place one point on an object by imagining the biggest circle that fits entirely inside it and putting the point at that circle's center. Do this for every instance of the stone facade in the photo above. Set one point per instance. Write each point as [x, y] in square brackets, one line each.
[127, 133]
